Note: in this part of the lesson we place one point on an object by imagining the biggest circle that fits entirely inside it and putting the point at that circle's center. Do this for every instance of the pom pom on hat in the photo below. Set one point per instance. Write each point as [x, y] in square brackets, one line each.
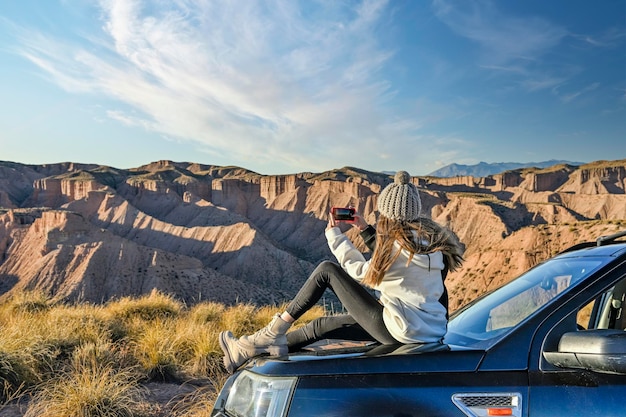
[400, 200]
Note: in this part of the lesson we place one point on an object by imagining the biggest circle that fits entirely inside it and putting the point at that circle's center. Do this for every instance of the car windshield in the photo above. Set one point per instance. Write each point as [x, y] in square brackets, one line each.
[485, 321]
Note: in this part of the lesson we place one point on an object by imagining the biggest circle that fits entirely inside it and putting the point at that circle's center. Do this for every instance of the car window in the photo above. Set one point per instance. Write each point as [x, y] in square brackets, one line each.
[512, 311]
[489, 318]
[607, 311]
[584, 316]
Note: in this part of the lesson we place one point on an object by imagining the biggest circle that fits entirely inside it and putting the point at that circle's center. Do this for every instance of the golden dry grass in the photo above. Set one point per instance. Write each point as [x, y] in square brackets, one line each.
[90, 360]
[87, 391]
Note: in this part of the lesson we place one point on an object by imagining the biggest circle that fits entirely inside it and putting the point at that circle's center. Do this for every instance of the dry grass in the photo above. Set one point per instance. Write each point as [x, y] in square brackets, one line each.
[157, 349]
[154, 306]
[88, 391]
[89, 360]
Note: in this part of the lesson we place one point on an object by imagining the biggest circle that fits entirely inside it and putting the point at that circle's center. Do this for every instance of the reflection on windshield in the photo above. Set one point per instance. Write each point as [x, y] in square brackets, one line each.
[512, 311]
[483, 322]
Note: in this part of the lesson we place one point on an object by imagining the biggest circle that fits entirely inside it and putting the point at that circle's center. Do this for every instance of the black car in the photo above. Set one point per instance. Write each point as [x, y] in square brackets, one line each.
[549, 343]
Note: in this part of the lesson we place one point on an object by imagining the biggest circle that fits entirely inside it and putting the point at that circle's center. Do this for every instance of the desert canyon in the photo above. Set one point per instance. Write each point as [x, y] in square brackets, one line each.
[90, 233]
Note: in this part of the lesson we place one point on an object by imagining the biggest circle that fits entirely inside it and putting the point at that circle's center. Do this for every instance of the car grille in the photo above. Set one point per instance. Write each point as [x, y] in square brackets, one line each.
[480, 404]
[487, 401]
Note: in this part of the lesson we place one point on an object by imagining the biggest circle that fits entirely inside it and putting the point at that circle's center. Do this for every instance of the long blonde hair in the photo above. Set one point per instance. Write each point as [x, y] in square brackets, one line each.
[431, 237]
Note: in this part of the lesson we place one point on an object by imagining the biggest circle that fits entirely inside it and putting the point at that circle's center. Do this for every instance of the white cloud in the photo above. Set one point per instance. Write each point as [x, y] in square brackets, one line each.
[297, 82]
[611, 37]
[545, 83]
[567, 98]
[509, 46]
[503, 39]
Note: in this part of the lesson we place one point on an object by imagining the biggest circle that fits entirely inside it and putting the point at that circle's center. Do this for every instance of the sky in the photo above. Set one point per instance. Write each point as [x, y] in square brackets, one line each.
[288, 86]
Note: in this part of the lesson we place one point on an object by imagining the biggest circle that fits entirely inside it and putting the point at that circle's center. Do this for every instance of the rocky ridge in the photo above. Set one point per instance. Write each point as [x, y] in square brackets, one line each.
[83, 232]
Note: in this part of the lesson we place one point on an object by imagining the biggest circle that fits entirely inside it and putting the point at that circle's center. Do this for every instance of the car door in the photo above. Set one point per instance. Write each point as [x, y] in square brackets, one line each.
[565, 391]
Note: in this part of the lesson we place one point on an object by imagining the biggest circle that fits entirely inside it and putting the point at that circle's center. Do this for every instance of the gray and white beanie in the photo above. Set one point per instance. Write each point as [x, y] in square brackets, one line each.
[400, 200]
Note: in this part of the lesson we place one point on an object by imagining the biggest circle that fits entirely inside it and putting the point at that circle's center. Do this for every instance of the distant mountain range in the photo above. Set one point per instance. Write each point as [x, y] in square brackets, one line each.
[483, 169]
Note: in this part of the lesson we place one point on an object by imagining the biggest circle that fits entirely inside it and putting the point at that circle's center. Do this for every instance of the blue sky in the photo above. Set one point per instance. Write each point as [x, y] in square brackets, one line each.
[292, 86]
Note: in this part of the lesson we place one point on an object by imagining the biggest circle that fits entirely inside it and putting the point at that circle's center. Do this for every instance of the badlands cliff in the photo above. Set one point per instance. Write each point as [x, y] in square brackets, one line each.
[83, 232]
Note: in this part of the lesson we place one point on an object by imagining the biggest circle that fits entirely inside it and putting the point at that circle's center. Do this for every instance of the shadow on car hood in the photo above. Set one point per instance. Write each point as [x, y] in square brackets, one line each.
[372, 358]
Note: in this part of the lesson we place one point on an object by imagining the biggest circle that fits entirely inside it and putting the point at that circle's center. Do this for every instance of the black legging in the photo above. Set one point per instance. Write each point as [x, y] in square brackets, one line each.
[364, 320]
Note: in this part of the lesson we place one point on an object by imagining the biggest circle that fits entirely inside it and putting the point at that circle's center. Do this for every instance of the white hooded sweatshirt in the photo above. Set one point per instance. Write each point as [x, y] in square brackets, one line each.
[409, 293]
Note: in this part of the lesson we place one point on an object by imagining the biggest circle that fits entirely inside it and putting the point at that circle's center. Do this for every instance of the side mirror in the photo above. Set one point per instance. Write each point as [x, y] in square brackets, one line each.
[600, 350]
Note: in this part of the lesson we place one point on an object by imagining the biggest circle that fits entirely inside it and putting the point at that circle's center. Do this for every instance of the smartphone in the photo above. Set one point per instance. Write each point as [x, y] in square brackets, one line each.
[343, 214]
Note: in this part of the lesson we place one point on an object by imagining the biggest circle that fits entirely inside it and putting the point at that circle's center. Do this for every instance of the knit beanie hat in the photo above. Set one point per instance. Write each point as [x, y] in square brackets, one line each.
[400, 200]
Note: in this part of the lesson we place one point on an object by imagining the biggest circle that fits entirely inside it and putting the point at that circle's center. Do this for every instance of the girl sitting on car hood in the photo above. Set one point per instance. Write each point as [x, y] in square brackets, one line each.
[411, 256]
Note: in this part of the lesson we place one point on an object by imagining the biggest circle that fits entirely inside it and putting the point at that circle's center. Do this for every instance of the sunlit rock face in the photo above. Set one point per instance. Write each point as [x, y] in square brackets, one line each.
[200, 232]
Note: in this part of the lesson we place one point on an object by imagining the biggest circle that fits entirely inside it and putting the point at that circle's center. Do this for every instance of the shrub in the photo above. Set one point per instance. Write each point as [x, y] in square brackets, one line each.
[156, 349]
[206, 312]
[29, 302]
[199, 346]
[154, 306]
[24, 358]
[64, 328]
[11, 377]
[103, 353]
[239, 319]
[87, 391]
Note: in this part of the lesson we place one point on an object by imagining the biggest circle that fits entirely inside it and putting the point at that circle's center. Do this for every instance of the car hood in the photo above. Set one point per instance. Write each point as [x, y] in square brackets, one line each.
[413, 358]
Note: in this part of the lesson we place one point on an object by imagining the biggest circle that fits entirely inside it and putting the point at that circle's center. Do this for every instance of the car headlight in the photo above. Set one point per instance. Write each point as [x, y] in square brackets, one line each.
[253, 395]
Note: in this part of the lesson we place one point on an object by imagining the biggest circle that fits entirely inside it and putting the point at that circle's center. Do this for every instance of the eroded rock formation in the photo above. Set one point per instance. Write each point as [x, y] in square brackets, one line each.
[202, 232]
